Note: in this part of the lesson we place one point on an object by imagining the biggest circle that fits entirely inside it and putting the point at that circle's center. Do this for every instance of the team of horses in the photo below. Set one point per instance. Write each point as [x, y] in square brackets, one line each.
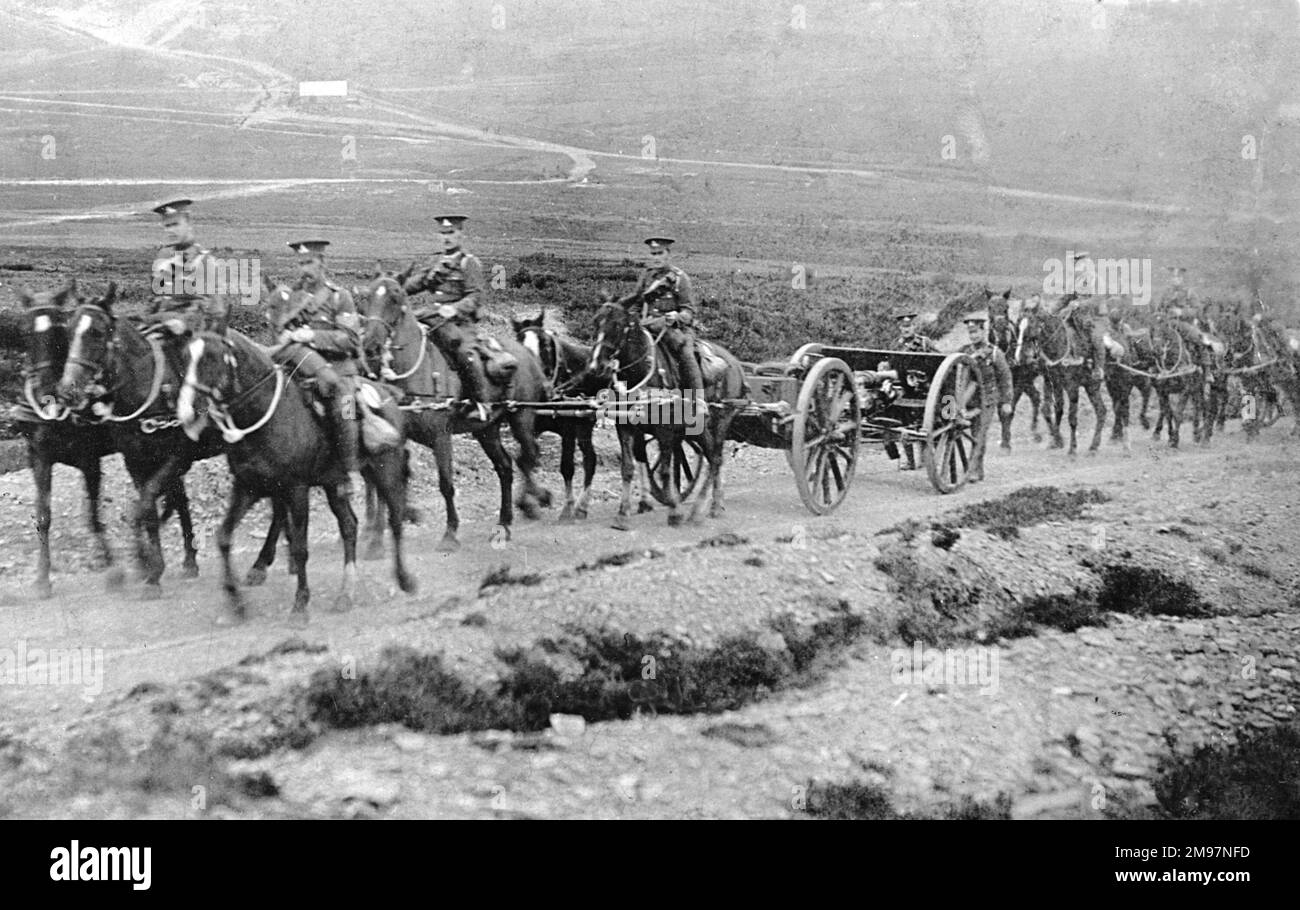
[1186, 365]
[97, 384]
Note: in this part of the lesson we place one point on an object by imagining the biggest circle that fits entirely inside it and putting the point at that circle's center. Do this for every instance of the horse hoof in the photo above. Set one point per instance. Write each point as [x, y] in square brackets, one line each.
[256, 576]
[620, 523]
[1038, 437]
[374, 552]
[151, 591]
[42, 590]
[674, 520]
[643, 507]
[298, 617]
[448, 544]
[580, 514]
[342, 604]
[566, 517]
[190, 570]
[236, 610]
[406, 581]
[115, 580]
[1006, 447]
[717, 511]
[1091, 453]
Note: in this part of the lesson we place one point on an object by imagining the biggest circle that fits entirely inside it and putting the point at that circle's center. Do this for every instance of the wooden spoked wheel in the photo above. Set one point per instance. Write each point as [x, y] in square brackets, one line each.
[824, 435]
[683, 463]
[954, 422]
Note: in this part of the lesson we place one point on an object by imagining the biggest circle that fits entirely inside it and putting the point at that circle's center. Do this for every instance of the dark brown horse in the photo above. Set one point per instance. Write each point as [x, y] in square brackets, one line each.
[564, 362]
[54, 435]
[398, 350]
[1164, 355]
[279, 448]
[1051, 343]
[1003, 334]
[648, 392]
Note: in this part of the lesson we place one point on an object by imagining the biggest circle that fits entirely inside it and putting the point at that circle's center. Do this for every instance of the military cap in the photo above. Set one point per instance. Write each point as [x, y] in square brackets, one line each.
[175, 207]
[659, 243]
[448, 223]
[979, 316]
[309, 246]
[905, 312]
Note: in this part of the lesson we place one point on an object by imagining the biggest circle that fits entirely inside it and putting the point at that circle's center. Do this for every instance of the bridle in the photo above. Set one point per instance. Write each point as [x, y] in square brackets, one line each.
[220, 411]
[99, 371]
[650, 359]
[390, 331]
[51, 409]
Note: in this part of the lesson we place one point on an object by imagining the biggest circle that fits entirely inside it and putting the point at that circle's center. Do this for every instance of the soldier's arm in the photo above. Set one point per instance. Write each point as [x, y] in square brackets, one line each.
[343, 338]
[686, 299]
[475, 288]
[417, 282]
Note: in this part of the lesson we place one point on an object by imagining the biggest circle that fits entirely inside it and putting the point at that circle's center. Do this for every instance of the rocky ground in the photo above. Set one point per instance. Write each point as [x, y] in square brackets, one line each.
[1121, 646]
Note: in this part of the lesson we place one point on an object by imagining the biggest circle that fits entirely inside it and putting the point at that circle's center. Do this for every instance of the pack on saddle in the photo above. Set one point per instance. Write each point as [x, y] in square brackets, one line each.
[317, 344]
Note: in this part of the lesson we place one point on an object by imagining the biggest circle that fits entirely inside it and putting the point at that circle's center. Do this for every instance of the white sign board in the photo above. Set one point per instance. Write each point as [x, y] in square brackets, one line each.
[336, 89]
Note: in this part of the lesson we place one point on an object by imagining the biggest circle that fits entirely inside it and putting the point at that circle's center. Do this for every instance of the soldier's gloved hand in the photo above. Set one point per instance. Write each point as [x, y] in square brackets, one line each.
[302, 335]
[447, 311]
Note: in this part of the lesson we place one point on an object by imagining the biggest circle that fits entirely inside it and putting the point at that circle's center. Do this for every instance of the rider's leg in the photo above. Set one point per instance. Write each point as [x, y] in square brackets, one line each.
[342, 419]
[457, 344]
[681, 344]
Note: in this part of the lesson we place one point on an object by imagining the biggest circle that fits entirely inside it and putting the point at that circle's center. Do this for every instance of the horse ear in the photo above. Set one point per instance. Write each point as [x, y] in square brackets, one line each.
[68, 290]
[109, 297]
[1006, 295]
[406, 273]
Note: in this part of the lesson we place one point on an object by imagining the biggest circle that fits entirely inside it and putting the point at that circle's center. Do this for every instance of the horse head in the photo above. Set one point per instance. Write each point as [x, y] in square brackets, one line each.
[382, 305]
[90, 349]
[46, 333]
[614, 326]
[212, 380]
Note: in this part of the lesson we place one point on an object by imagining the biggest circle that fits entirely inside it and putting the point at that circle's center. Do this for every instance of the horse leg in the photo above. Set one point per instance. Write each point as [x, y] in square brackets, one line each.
[347, 522]
[1056, 395]
[568, 440]
[668, 443]
[628, 465]
[1099, 415]
[43, 473]
[92, 476]
[588, 469]
[490, 440]
[1144, 388]
[375, 508]
[391, 486]
[266, 556]
[1035, 399]
[531, 496]
[644, 501]
[297, 513]
[146, 517]
[447, 487]
[1175, 418]
[1006, 419]
[181, 502]
[241, 500]
[1074, 419]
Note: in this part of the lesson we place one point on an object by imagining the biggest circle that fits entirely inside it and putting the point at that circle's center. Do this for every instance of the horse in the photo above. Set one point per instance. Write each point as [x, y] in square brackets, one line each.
[626, 354]
[1264, 362]
[1003, 334]
[1061, 356]
[1163, 355]
[278, 447]
[54, 434]
[565, 364]
[396, 347]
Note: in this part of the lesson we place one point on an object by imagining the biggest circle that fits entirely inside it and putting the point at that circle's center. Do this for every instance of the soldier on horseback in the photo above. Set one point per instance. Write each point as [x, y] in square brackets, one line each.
[1181, 306]
[1075, 312]
[317, 338]
[995, 384]
[665, 293]
[182, 304]
[456, 282]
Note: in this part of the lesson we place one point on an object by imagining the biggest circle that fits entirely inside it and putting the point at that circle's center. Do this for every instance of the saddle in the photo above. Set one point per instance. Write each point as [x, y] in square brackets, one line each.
[377, 433]
[712, 365]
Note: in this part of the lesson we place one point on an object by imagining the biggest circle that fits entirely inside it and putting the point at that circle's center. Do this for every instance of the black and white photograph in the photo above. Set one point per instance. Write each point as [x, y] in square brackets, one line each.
[851, 410]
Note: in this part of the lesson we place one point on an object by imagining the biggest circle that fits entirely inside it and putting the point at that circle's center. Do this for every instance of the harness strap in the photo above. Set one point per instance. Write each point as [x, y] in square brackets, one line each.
[155, 386]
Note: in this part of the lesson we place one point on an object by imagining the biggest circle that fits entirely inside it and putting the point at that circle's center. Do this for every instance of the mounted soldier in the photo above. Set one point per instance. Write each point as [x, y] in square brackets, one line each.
[995, 383]
[1181, 306]
[317, 338]
[455, 279]
[668, 300]
[182, 303]
[1076, 311]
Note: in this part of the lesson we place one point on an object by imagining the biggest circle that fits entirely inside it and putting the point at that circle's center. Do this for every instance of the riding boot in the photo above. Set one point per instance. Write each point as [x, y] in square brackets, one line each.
[346, 436]
[692, 375]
